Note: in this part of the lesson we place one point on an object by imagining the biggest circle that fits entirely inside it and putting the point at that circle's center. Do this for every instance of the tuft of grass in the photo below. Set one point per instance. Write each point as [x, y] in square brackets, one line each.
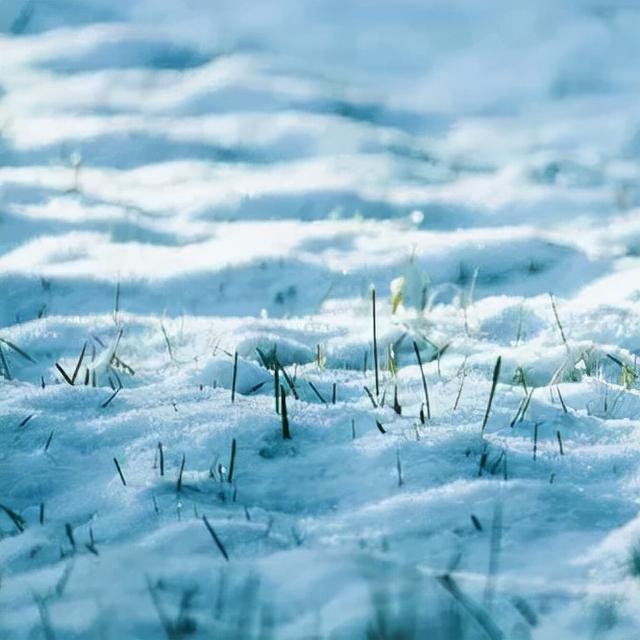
[535, 440]
[48, 442]
[494, 384]
[381, 429]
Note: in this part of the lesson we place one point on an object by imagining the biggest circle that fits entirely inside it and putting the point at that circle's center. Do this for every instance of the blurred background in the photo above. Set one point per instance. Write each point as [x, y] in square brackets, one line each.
[187, 148]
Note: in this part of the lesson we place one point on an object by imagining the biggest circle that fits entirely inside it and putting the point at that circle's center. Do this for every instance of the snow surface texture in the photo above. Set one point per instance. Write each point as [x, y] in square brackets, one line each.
[208, 178]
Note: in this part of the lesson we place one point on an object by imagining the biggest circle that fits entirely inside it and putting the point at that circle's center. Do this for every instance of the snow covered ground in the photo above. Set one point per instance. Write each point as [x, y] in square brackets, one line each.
[181, 182]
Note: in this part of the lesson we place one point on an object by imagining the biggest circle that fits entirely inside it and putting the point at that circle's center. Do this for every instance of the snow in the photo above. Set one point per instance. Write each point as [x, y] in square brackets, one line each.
[184, 182]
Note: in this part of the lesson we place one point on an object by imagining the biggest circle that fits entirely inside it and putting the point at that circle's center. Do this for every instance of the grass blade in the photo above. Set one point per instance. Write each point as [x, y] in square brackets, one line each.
[217, 540]
[494, 383]
[424, 381]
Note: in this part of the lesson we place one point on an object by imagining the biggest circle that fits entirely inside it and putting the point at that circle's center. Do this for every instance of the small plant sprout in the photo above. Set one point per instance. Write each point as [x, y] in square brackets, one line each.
[381, 429]
[535, 440]
[161, 458]
[494, 384]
